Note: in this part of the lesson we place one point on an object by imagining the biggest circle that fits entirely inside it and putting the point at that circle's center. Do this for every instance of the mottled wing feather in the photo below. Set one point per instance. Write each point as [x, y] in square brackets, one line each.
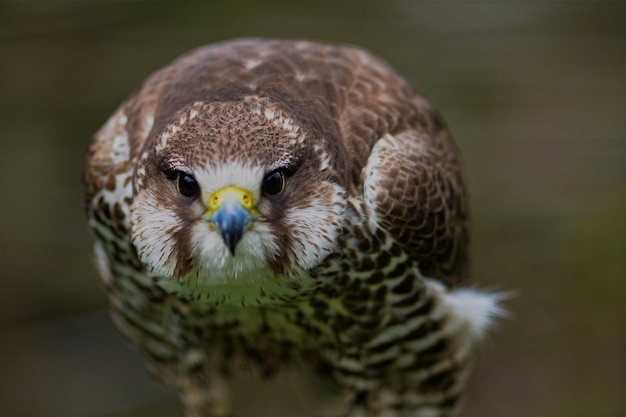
[419, 198]
[137, 306]
[398, 139]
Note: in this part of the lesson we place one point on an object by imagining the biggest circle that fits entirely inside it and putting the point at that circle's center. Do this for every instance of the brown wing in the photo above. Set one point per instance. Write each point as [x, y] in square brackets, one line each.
[391, 132]
[413, 181]
[409, 169]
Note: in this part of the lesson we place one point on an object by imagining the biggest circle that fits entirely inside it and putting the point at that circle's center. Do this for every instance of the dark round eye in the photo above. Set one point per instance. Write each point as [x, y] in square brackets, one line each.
[187, 185]
[274, 182]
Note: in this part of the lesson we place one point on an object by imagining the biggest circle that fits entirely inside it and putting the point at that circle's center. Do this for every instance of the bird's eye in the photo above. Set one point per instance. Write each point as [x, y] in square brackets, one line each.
[187, 185]
[274, 182]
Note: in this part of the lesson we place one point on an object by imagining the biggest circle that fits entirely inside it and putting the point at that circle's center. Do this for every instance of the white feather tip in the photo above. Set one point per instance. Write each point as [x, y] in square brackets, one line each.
[479, 309]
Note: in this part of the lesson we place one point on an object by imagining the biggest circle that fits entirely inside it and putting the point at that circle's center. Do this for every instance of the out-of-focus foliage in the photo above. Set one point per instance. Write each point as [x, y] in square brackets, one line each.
[533, 93]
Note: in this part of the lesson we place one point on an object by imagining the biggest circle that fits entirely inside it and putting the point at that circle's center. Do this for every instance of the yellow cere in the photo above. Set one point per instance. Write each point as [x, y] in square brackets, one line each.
[231, 192]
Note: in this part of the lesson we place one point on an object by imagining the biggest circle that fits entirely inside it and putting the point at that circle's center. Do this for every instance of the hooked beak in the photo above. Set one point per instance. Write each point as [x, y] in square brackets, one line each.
[231, 212]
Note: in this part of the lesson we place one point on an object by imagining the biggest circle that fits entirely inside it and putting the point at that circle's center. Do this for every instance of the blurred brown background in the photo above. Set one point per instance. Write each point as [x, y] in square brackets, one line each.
[534, 93]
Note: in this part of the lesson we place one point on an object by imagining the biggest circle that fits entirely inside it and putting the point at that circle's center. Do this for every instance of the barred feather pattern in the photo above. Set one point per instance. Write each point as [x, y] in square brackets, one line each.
[393, 343]
[383, 315]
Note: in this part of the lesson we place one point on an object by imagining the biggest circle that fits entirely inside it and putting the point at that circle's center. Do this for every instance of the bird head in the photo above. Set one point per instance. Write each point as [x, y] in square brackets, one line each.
[235, 190]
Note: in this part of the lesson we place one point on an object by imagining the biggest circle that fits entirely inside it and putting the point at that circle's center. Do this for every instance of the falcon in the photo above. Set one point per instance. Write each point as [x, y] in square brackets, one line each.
[264, 202]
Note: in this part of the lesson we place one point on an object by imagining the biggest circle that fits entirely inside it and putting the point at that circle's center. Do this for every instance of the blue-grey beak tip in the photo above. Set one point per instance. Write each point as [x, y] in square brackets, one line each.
[231, 220]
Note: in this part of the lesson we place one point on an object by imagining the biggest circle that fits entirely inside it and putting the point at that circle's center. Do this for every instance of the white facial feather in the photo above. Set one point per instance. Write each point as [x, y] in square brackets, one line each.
[314, 229]
[154, 226]
[216, 265]
[213, 178]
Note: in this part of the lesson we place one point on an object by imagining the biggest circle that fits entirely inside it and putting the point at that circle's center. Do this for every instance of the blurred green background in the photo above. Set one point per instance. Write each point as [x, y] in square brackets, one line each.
[534, 93]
